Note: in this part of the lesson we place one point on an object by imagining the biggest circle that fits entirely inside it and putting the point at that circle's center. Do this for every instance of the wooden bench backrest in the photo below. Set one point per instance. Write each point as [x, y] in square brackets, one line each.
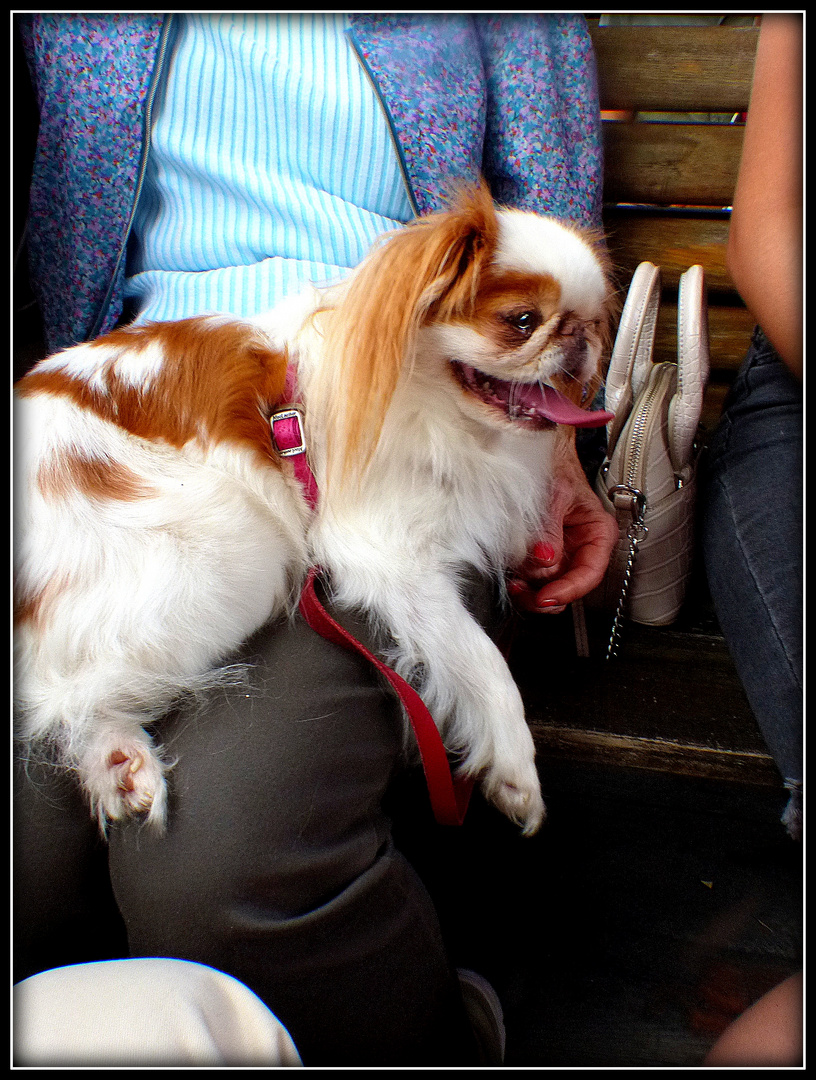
[669, 180]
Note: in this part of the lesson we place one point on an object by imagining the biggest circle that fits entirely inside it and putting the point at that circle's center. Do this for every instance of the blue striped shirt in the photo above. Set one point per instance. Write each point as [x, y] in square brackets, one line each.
[271, 165]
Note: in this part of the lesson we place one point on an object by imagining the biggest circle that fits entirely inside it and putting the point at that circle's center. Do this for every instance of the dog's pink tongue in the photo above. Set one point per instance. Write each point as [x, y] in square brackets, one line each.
[560, 410]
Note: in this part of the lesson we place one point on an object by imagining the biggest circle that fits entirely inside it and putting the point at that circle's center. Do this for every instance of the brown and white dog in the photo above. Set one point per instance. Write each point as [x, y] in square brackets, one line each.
[157, 528]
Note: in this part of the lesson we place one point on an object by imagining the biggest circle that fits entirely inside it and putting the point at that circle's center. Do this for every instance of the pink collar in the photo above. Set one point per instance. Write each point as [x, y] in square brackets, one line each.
[289, 436]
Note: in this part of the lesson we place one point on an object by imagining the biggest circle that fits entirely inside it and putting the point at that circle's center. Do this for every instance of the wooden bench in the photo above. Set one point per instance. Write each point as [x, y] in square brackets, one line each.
[673, 101]
[669, 179]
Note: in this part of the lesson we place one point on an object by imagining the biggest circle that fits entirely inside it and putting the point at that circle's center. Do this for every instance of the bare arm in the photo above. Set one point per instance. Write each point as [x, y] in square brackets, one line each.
[765, 239]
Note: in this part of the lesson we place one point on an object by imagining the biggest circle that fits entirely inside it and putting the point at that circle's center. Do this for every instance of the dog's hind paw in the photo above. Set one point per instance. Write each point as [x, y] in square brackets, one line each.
[128, 781]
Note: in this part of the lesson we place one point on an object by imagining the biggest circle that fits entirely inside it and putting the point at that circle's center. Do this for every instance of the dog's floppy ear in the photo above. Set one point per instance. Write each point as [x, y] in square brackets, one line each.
[429, 269]
[466, 238]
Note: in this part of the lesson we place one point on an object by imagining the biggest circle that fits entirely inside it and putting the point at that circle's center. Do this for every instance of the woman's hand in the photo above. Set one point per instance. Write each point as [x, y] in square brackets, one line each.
[571, 555]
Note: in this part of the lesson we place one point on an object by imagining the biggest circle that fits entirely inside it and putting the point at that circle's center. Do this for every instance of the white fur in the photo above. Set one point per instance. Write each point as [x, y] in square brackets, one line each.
[543, 246]
[150, 595]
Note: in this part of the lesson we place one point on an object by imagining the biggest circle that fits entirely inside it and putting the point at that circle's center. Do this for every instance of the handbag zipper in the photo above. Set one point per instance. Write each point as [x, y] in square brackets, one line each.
[636, 441]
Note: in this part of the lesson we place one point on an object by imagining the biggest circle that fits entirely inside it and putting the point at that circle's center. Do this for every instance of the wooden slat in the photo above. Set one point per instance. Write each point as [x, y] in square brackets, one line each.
[729, 331]
[671, 242]
[654, 755]
[675, 69]
[671, 164]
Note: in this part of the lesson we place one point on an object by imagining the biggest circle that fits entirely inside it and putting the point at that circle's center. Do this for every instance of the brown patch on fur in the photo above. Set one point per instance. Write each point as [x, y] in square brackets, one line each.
[94, 477]
[509, 293]
[217, 382]
[27, 608]
[32, 607]
[518, 286]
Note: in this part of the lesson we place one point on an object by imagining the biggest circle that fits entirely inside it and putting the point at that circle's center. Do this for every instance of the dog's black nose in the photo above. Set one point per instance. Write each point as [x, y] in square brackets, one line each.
[570, 325]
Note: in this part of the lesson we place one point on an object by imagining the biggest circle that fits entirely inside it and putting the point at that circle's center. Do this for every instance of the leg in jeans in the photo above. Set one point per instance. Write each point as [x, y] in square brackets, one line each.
[753, 544]
[278, 866]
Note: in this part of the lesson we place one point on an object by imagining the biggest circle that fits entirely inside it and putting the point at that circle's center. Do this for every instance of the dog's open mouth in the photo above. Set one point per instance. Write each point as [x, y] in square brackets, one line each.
[533, 404]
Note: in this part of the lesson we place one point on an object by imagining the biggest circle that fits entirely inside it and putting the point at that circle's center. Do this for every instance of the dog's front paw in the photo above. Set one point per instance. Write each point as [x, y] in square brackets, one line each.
[517, 793]
[128, 781]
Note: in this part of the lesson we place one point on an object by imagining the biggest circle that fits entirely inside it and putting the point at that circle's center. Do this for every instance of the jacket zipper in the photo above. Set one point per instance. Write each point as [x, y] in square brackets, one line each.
[146, 126]
[151, 94]
[394, 140]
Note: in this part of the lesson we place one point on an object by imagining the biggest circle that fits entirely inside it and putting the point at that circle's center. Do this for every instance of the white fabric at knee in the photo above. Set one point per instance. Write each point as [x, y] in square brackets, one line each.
[144, 1012]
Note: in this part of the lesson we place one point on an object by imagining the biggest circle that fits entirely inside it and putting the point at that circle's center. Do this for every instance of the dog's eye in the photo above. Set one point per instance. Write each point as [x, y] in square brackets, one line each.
[523, 321]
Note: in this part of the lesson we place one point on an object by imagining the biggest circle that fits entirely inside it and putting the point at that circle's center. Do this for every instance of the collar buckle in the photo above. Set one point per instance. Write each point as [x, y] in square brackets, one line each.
[288, 431]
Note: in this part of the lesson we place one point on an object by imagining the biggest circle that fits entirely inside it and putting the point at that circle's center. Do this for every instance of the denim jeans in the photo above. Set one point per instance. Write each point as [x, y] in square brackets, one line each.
[752, 536]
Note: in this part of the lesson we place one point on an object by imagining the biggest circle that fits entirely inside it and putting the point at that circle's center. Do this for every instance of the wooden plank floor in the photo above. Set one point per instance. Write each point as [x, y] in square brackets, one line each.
[662, 896]
[649, 911]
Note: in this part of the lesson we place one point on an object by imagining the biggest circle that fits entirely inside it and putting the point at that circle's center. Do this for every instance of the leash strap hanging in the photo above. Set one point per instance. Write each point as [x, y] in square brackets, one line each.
[449, 797]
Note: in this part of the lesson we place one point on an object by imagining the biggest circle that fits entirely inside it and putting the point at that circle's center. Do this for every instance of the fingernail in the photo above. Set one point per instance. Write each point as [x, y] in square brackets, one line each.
[548, 603]
[545, 552]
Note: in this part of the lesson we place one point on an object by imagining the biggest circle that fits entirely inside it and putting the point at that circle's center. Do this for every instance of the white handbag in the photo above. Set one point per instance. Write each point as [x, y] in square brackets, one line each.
[648, 479]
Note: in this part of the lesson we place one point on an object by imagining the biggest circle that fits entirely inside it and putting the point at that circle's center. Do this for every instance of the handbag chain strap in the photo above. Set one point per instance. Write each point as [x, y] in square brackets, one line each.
[636, 532]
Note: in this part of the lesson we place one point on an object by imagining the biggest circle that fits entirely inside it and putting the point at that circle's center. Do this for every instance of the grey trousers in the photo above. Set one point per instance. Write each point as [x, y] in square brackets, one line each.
[278, 866]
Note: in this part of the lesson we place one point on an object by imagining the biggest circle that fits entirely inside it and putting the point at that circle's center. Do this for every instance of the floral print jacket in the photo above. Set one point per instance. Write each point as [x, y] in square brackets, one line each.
[512, 97]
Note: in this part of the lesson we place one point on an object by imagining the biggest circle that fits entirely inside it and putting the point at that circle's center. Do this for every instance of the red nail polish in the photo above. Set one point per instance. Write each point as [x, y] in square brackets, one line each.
[549, 603]
[545, 552]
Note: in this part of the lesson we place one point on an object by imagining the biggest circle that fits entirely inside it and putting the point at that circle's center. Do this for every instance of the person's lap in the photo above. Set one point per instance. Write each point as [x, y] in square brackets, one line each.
[278, 866]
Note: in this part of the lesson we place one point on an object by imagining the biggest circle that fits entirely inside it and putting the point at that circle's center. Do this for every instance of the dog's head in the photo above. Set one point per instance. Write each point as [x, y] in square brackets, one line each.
[510, 307]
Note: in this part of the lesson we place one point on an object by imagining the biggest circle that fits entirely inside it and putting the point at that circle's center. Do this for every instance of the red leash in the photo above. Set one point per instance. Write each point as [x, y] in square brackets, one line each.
[449, 797]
